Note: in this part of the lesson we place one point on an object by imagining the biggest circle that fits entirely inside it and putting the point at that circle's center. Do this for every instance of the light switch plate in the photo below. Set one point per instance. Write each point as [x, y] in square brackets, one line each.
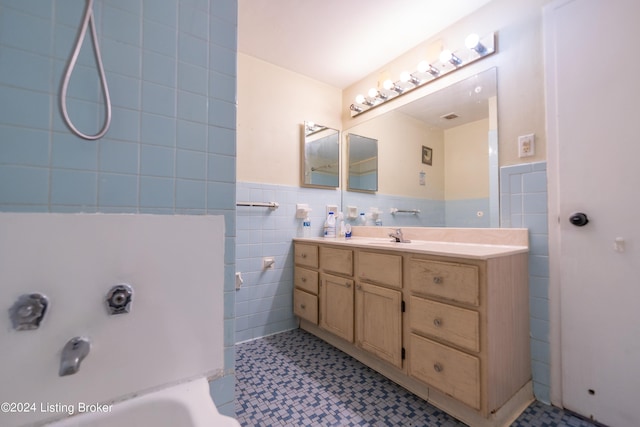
[526, 145]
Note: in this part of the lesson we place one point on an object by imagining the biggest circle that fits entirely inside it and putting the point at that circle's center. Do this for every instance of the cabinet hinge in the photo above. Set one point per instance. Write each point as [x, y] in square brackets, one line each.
[402, 306]
[404, 354]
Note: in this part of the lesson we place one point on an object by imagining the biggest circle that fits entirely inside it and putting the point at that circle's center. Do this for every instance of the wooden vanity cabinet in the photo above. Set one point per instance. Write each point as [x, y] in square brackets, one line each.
[452, 330]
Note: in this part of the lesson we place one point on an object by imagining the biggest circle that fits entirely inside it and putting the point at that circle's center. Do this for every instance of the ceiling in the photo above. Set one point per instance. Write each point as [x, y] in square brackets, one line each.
[341, 41]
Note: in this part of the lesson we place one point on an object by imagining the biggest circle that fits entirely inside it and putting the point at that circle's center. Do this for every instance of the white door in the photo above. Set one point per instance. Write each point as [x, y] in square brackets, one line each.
[592, 70]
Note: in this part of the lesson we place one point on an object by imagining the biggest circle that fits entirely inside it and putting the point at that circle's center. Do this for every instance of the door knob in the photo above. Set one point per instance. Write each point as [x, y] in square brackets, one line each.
[579, 219]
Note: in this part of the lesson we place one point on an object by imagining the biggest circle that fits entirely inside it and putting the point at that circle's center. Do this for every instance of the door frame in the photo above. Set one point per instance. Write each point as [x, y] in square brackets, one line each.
[553, 191]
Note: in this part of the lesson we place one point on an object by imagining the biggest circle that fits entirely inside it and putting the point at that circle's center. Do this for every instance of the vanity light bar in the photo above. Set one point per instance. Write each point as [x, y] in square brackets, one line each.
[476, 49]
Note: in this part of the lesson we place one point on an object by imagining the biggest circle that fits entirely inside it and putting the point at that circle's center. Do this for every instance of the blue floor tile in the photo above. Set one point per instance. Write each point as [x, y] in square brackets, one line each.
[295, 379]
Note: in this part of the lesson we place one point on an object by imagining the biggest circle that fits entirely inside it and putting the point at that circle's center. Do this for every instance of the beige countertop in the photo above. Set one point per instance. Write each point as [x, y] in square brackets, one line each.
[427, 247]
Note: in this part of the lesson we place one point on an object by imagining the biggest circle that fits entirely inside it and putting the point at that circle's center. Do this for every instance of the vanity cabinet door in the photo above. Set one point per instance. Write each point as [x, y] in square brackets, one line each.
[305, 306]
[379, 322]
[379, 268]
[336, 260]
[336, 305]
[452, 281]
[306, 255]
[450, 371]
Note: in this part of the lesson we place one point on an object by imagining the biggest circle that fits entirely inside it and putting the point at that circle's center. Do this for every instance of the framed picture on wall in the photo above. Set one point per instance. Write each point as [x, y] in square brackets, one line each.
[427, 155]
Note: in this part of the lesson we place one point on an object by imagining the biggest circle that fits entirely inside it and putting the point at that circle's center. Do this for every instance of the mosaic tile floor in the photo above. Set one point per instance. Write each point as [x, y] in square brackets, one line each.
[296, 379]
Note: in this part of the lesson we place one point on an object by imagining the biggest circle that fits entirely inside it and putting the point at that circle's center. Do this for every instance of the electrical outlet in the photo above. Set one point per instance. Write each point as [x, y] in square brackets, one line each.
[526, 145]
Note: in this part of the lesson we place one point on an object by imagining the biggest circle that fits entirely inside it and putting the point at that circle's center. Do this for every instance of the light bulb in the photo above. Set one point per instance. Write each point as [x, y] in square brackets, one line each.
[425, 67]
[388, 84]
[405, 76]
[373, 92]
[472, 41]
[445, 55]
[360, 99]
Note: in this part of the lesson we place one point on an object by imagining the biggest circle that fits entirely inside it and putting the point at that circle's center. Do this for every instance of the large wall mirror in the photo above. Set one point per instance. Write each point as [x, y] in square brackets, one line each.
[320, 156]
[437, 155]
[362, 153]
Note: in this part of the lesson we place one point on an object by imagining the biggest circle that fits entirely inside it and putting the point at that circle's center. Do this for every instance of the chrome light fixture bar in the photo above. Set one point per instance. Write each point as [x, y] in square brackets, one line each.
[449, 61]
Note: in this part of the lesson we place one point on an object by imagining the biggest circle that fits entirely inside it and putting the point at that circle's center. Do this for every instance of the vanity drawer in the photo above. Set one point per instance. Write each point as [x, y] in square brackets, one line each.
[305, 255]
[306, 280]
[450, 371]
[457, 282]
[446, 322]
[379, 268]
[305, 306]
[336, 260]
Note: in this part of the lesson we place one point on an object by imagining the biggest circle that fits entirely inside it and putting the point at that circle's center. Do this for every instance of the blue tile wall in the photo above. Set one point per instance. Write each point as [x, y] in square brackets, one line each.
[171, 70]
[523, 203]
[264, 302]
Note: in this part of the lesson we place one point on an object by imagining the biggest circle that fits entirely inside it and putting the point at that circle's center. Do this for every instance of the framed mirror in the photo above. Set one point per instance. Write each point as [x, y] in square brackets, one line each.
[363, 163]
[320, 156]
[437, 155]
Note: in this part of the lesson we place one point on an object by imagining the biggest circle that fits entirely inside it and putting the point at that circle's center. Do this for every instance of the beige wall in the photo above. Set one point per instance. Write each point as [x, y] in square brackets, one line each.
[273, 102]
[519, 64]
[272, 105]
[466, 161]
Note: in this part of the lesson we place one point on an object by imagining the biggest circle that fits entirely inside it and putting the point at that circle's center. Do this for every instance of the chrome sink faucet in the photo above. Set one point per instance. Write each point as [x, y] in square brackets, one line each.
[397, 235]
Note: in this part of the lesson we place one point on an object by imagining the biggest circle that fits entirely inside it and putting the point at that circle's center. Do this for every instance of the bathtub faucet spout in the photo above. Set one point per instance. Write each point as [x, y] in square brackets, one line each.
[74, 351]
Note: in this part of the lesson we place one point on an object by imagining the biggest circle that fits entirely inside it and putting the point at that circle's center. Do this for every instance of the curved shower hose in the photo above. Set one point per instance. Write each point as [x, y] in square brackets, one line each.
[87, 20]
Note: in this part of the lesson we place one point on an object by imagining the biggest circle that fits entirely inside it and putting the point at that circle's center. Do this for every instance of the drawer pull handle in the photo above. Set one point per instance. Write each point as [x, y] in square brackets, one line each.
[303, 255]
[437, 322]
[304, 280]
[438, 279]
[437, 367]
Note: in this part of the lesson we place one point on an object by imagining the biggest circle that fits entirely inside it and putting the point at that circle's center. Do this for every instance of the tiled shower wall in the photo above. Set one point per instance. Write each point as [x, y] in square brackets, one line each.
[171, 70]
[523, 203]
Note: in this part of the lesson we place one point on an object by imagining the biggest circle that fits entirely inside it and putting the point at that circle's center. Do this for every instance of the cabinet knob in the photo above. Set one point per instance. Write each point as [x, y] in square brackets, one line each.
[303, 306]
[303, 255]
[437, 367]
[303, 280]
[438, 279]
[359, 287]
[437, 322]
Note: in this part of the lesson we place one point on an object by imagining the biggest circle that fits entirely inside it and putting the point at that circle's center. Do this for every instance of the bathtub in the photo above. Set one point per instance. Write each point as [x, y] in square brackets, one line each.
[184, 405]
